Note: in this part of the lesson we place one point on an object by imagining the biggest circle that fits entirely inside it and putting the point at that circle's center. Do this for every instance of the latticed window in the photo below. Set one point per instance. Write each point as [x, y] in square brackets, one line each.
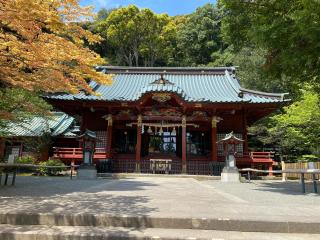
[239, 147]
[102, 139]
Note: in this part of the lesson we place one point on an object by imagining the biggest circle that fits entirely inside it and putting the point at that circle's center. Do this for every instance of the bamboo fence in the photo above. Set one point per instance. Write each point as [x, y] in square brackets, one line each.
[300, 165]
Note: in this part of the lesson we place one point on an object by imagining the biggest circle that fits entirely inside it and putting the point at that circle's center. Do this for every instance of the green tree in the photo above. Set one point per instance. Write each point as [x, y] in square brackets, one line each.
[288, 30]
[104, 48]
[155, 31]
[139, 36]
[121, 28]
[249, 62]
[296, 130]
[200, 36]
[17, 105]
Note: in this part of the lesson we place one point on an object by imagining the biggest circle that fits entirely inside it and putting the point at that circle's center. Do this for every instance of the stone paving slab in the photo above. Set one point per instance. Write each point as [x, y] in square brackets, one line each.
[9, 232]
[163, 197]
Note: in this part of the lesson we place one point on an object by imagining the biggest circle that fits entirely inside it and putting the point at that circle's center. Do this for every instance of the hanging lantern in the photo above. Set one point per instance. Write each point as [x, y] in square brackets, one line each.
[174, 132]
[149, 130]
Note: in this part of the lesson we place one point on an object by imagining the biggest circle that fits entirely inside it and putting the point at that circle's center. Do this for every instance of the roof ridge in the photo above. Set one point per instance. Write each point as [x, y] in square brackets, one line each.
[164, 70]
[230, 80]
[56, 119]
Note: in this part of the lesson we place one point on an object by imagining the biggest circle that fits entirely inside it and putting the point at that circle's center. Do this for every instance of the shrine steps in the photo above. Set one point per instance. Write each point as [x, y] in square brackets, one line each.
[40, 232]
[76, 226]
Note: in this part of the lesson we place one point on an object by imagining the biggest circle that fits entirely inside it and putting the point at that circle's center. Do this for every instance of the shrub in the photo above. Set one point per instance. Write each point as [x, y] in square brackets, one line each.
[26, 160]
[310, 158]
[43, 170]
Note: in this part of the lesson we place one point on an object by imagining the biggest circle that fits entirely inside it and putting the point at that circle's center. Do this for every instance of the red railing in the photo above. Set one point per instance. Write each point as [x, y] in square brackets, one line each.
[252, 157]
[262, 157]
[195, 165]
[76, 153]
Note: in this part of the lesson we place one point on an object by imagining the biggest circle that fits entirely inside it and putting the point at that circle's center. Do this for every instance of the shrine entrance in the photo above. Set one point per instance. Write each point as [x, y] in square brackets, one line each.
[161, 140]
[161, 143]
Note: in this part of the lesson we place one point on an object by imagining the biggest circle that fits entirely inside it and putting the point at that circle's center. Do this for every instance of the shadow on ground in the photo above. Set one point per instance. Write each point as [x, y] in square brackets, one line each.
[288, 188]
[56, 195]
[61, 234]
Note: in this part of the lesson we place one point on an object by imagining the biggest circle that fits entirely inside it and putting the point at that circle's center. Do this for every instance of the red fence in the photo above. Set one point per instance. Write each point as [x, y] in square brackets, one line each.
[76, 153]
[194, 166]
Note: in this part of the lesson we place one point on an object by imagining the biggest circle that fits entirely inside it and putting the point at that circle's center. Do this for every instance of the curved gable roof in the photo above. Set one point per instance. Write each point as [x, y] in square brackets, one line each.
[214, 85]
[57, 124]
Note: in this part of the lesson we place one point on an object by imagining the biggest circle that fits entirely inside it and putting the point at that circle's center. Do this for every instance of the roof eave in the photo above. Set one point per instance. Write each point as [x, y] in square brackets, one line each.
[265, 94]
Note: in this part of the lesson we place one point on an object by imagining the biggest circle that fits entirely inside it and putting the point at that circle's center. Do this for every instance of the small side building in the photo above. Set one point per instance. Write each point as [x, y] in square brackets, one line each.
[36, 136]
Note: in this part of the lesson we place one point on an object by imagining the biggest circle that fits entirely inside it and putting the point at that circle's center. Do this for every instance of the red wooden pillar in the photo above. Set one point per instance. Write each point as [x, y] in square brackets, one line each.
[270, 169]
[83, 124]
[245, 134]
[109, 136]
[138, 146]
[184, 145]
[214, 139]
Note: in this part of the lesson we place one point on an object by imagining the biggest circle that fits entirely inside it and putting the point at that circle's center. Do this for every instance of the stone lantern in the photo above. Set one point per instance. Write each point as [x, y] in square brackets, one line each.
[230, 172]
[88, 143]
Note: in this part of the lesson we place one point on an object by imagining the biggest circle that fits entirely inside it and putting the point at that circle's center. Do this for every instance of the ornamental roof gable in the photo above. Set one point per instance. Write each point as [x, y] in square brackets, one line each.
[192, 84]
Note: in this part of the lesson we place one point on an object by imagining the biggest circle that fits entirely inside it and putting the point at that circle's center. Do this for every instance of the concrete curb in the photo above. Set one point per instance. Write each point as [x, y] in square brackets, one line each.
[95, 220]
[41, 232]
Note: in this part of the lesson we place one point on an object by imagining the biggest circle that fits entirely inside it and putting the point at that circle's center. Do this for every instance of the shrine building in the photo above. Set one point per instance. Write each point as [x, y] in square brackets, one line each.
[166, 113]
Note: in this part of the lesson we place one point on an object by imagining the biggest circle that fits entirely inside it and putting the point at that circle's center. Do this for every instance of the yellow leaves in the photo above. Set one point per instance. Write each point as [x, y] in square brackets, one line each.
[41, 46]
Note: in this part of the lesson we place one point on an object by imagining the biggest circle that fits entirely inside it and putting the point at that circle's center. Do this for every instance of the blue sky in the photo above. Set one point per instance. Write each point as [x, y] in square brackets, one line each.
[172, 7]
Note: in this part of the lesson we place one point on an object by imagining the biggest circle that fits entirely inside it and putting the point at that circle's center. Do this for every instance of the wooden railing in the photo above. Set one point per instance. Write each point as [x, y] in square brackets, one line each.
[76, 153]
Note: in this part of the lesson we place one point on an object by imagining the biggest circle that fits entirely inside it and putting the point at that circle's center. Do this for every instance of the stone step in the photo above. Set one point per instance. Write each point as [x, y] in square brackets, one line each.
[102, 220]
[41, 232]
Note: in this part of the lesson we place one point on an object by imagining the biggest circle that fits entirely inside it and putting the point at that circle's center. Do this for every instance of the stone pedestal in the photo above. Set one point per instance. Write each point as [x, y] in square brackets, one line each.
[138, 169]
[184, 169]
[87, 172]
[230, 174]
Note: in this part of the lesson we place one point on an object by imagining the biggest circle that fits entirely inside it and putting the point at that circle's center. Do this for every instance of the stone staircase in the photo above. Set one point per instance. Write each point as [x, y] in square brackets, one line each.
[24, 226]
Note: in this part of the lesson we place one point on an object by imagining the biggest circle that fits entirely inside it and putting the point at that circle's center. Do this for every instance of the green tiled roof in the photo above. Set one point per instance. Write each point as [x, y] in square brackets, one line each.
[215, 85]
[58, 124]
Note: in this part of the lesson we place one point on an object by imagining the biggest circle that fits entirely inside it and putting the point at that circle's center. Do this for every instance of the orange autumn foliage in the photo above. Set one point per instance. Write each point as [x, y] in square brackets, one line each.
[42, 46]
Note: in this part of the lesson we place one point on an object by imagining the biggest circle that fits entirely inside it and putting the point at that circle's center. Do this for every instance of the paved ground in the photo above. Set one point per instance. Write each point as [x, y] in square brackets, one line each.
[163, 197]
